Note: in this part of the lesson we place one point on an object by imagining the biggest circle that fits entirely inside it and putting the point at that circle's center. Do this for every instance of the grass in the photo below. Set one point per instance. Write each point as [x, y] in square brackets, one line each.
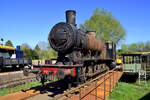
[18, 88]
[23, 86]
[131, 91]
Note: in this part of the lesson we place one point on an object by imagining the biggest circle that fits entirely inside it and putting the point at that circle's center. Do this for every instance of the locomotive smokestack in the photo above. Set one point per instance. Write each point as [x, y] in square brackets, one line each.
[71, 17]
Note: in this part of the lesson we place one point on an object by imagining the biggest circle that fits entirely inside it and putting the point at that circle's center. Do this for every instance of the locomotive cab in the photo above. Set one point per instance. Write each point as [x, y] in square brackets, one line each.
[111, 50]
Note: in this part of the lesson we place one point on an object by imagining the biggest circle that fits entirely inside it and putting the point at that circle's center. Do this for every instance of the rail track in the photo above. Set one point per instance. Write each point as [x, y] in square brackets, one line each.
[10, 69]
[14, 78]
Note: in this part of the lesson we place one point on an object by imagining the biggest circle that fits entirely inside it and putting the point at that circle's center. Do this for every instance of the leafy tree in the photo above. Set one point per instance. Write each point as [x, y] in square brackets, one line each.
[29, 53]
[108, 28]
[9, 43]
[55, 54]
[37, 48]
[26, 51]
[133, 47]
[124, 47]
[141, 47]
[46, 54]
[34, 54]
[38, 53]
[147, 46]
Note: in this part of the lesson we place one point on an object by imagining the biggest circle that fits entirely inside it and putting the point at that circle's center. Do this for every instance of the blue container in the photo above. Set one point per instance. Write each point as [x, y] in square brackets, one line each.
[18, 48]
[19, 54]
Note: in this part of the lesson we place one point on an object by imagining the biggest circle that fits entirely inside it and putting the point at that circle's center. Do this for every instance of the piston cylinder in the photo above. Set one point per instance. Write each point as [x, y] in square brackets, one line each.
[61, 74]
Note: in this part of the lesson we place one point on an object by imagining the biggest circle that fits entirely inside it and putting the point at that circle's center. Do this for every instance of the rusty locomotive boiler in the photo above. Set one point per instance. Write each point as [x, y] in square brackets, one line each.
[80, 55]
[66, 39]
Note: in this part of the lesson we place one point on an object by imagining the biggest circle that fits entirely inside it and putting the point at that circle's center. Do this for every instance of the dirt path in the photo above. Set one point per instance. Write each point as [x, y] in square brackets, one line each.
[19, 95]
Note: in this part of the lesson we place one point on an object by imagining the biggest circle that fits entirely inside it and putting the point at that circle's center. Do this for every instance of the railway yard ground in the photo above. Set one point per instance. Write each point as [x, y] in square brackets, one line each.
[98, 88]
[106, 87]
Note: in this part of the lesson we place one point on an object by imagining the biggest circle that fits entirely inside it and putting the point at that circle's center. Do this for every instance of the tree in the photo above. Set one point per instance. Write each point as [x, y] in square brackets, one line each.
[106, 26]
[147, 46]
[34, 54]
[46, 54]
[54, 53]
[26, 51]
[29, 53]
[9, 43]
[133, 47]
[140, 47]
[124, 47]
[37, 48]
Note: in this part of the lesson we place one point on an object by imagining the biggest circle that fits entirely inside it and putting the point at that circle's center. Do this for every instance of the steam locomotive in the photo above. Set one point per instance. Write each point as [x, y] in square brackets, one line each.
[80, 55]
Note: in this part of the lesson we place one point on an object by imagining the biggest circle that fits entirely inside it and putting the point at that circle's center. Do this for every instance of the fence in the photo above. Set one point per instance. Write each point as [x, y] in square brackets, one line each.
[101, 87]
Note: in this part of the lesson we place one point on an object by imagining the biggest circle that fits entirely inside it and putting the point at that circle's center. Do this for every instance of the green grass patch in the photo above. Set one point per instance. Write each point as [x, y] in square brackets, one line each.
[18, 88]
[128, 91]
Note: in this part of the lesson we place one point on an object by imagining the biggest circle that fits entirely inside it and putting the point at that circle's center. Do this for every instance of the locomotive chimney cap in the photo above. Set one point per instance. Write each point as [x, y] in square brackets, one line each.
[91, 32]
[71, 17]
[70, 11]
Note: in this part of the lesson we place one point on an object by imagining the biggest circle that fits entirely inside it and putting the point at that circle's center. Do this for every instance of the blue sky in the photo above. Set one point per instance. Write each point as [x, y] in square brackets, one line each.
[29, 21]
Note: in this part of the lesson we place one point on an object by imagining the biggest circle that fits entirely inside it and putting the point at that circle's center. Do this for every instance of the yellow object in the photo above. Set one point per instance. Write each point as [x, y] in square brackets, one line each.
[143, 53]
[45, 71]
[7, 47]
[85, 86]
[118, 61]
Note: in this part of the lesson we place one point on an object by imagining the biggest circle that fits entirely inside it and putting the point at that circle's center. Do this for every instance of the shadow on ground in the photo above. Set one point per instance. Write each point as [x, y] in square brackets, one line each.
[146, 97]
[129, 78]
[54, 88]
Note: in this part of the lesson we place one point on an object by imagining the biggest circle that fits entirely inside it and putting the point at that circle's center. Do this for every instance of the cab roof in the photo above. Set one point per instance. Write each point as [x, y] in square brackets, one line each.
[7, 47]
